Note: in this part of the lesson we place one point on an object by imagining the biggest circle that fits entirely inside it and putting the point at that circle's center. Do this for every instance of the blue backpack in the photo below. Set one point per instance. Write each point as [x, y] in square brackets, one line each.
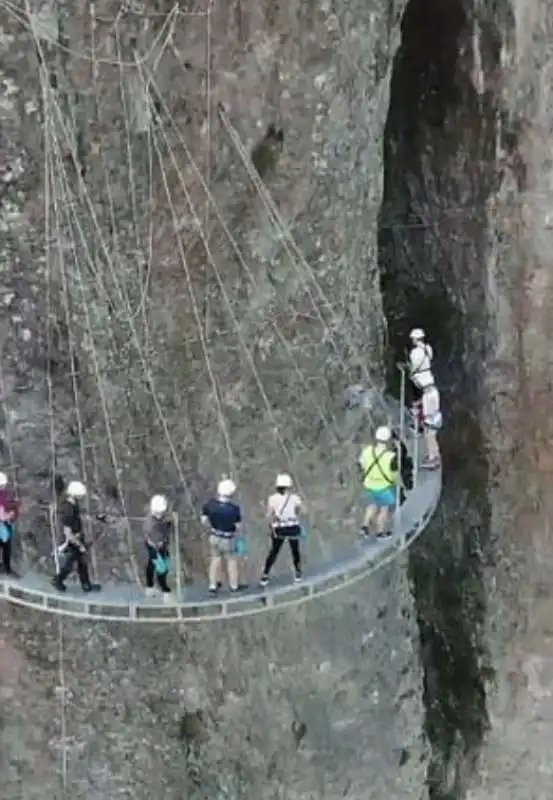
[240, 546]
[5, 533]
[161, 565]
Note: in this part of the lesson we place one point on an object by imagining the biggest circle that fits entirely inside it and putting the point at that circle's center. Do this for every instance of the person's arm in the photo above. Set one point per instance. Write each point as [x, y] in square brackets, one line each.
[205, 520]
[148, 531]
[72, 538]
[66, 526]
[238, 522]
[411, 360]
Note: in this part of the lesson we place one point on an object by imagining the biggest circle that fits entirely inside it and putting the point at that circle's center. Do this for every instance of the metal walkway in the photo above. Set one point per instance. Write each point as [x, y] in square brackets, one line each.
[194, 604]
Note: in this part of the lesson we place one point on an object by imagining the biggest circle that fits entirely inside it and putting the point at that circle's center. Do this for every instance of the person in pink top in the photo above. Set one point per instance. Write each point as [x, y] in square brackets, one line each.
[9, 510]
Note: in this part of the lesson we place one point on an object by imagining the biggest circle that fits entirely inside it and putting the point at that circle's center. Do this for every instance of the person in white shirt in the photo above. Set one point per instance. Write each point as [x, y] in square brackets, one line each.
[283, 510]
[420, 373]
[420, 360]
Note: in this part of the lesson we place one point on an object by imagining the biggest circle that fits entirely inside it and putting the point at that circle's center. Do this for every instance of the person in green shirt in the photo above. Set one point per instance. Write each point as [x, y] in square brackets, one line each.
[379, 470]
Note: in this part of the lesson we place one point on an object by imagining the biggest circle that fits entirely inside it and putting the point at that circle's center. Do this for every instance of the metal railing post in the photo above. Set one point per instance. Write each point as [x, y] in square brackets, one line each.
[399, 443]
[416, 454]
[178, 581]
[402, 403]
[53, 528]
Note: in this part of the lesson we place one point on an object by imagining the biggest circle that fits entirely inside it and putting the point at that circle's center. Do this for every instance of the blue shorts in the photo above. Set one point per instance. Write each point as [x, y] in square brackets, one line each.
[383, 498]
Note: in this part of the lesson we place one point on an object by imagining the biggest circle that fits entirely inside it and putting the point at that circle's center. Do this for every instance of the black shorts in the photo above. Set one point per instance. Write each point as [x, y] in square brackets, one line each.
[287, 531]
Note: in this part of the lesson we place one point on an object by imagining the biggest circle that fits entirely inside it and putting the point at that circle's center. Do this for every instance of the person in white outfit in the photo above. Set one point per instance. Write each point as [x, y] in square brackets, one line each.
[426, 408]
[420, 361]
[420, 373]
[283, 510]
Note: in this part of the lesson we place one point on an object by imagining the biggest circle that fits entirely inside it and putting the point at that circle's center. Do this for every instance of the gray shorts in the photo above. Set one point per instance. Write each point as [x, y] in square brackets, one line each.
[221, 546]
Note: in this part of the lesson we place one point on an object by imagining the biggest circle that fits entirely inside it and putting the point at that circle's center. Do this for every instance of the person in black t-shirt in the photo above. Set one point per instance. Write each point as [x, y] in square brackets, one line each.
[223, 517]
[74, 550]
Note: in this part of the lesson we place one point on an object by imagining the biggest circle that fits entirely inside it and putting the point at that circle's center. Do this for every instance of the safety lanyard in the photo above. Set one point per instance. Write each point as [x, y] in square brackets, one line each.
[376, 463]
[419, 369]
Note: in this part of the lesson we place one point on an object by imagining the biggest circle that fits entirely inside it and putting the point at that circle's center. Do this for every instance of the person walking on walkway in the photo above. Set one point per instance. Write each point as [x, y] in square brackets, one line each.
[421, 355]
[157, 529]
[283, 510]
[419, 365]
[74, 550]
[379, 470]
[223, 517]
[9, 510]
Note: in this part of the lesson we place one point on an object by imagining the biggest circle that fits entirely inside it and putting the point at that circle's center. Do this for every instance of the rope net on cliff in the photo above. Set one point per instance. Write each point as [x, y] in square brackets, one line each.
[188, 336]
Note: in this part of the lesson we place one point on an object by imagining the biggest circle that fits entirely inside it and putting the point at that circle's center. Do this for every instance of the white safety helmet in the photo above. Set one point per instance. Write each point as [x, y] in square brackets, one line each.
[76, 489]
[383, 434]
[3, 480]
[158, 505]
[283, 481]
[226, 488]
[417, 335]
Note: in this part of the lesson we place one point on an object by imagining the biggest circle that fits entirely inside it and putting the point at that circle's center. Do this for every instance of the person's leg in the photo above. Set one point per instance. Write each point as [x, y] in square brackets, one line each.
[296, 558]
[432, 447]
[68, 559]
[214, 571]
[382, 521]
[276, 546]
[232, 571]
[150, 571]
[8, 556]
[162, 581]
[82, 570]
[370, 513]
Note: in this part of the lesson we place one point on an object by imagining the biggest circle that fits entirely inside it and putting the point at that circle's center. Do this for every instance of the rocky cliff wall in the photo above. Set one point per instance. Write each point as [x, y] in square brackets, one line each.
[464, 246]
[111, 244]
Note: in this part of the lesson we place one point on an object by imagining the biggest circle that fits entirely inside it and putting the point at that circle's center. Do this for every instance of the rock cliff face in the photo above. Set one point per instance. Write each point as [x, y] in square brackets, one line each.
[189, 251]
[121, 274]
[464, 243]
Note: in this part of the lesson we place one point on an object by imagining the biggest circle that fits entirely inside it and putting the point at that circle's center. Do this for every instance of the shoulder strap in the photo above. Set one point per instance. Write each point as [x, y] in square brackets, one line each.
[376, 463]
[284, 505]
[419, 369]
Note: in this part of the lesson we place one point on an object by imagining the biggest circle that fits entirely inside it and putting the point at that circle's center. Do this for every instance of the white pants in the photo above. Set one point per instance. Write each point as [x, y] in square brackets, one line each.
[431, 413]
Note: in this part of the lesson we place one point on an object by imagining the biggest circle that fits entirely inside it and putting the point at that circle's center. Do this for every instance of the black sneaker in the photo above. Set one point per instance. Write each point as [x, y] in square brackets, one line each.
[364, 533]
[298, 576]
[10, 573]
[264, 580]
[59, 584]
[214, 589]
[384, 535]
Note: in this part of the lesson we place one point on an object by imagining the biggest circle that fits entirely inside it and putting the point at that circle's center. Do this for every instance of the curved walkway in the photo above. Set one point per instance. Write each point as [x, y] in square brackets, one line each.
[194, 604]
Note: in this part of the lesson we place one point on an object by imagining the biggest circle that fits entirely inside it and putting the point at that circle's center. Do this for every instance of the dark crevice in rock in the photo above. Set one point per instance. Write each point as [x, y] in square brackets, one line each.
[439, 170]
